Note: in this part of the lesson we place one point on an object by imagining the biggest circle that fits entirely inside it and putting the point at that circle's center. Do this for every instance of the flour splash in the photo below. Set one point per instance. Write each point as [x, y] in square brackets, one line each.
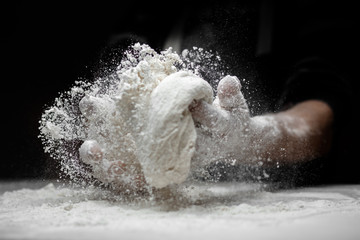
[102, 131]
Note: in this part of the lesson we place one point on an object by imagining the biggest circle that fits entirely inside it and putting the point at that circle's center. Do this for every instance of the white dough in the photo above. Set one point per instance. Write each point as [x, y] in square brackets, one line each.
[169, 137]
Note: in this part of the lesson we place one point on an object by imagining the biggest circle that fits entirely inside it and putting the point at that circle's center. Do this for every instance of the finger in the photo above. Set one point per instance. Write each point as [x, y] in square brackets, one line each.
[207, 115]
[93, 107]
[117, 168]
[88, 106]
[230, 96]
[139, 180]
[119, 172]
[90, 152]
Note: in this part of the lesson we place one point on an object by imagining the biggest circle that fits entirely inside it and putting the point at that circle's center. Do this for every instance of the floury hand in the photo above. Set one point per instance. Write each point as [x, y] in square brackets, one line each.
[104, 160]
[106, 171]
[227, 133]
[228, 110]
[223, 126]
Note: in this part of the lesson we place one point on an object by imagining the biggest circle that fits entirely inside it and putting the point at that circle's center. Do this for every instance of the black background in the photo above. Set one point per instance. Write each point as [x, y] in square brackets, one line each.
[47, 46]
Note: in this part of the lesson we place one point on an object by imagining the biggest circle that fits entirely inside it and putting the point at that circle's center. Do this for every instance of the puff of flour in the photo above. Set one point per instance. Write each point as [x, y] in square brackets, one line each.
[169, 137]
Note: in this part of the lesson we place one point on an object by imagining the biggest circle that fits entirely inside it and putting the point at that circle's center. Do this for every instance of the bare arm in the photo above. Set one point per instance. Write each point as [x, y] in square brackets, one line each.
[298, 134]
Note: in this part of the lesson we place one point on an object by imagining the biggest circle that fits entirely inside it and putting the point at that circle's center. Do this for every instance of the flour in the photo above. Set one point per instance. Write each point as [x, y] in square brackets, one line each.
[169, 137]
[136, 118]
[41, 210]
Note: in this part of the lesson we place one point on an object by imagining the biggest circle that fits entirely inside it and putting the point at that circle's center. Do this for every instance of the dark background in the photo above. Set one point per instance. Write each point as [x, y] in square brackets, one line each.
[45, 47]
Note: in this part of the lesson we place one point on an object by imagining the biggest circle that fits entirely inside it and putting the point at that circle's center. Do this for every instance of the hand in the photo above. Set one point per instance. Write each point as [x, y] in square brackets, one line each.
[113, 172]
[223, 127]
[102, 152]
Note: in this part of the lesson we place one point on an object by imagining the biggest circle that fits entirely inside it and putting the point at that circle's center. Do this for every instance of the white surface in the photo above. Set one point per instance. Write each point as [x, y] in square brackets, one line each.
[39, 210]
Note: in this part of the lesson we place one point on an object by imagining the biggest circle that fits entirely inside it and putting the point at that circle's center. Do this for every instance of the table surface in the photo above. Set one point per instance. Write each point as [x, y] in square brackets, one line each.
[49, 210]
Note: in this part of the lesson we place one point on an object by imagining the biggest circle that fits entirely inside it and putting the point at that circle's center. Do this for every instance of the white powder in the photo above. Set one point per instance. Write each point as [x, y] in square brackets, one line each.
[134, 125]
[136, 117]
[231, 211]
[169, 137]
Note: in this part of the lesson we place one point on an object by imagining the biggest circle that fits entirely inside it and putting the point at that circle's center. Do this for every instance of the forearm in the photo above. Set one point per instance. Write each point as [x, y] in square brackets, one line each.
[299, 134]
[228, 133]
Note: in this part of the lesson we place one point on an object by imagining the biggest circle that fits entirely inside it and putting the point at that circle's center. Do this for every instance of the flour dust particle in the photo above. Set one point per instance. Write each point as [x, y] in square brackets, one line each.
[112, 113]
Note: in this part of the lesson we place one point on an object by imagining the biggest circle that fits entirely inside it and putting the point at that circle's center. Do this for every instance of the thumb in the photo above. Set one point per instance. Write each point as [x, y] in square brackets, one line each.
[207, 115]
[230, 97]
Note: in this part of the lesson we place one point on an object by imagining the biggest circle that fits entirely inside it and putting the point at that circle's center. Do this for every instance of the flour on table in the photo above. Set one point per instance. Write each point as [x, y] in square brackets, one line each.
[138, 116]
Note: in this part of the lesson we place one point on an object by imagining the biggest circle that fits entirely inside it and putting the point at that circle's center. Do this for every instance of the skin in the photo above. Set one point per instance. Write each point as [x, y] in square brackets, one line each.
[226, 131]
[298, 134]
